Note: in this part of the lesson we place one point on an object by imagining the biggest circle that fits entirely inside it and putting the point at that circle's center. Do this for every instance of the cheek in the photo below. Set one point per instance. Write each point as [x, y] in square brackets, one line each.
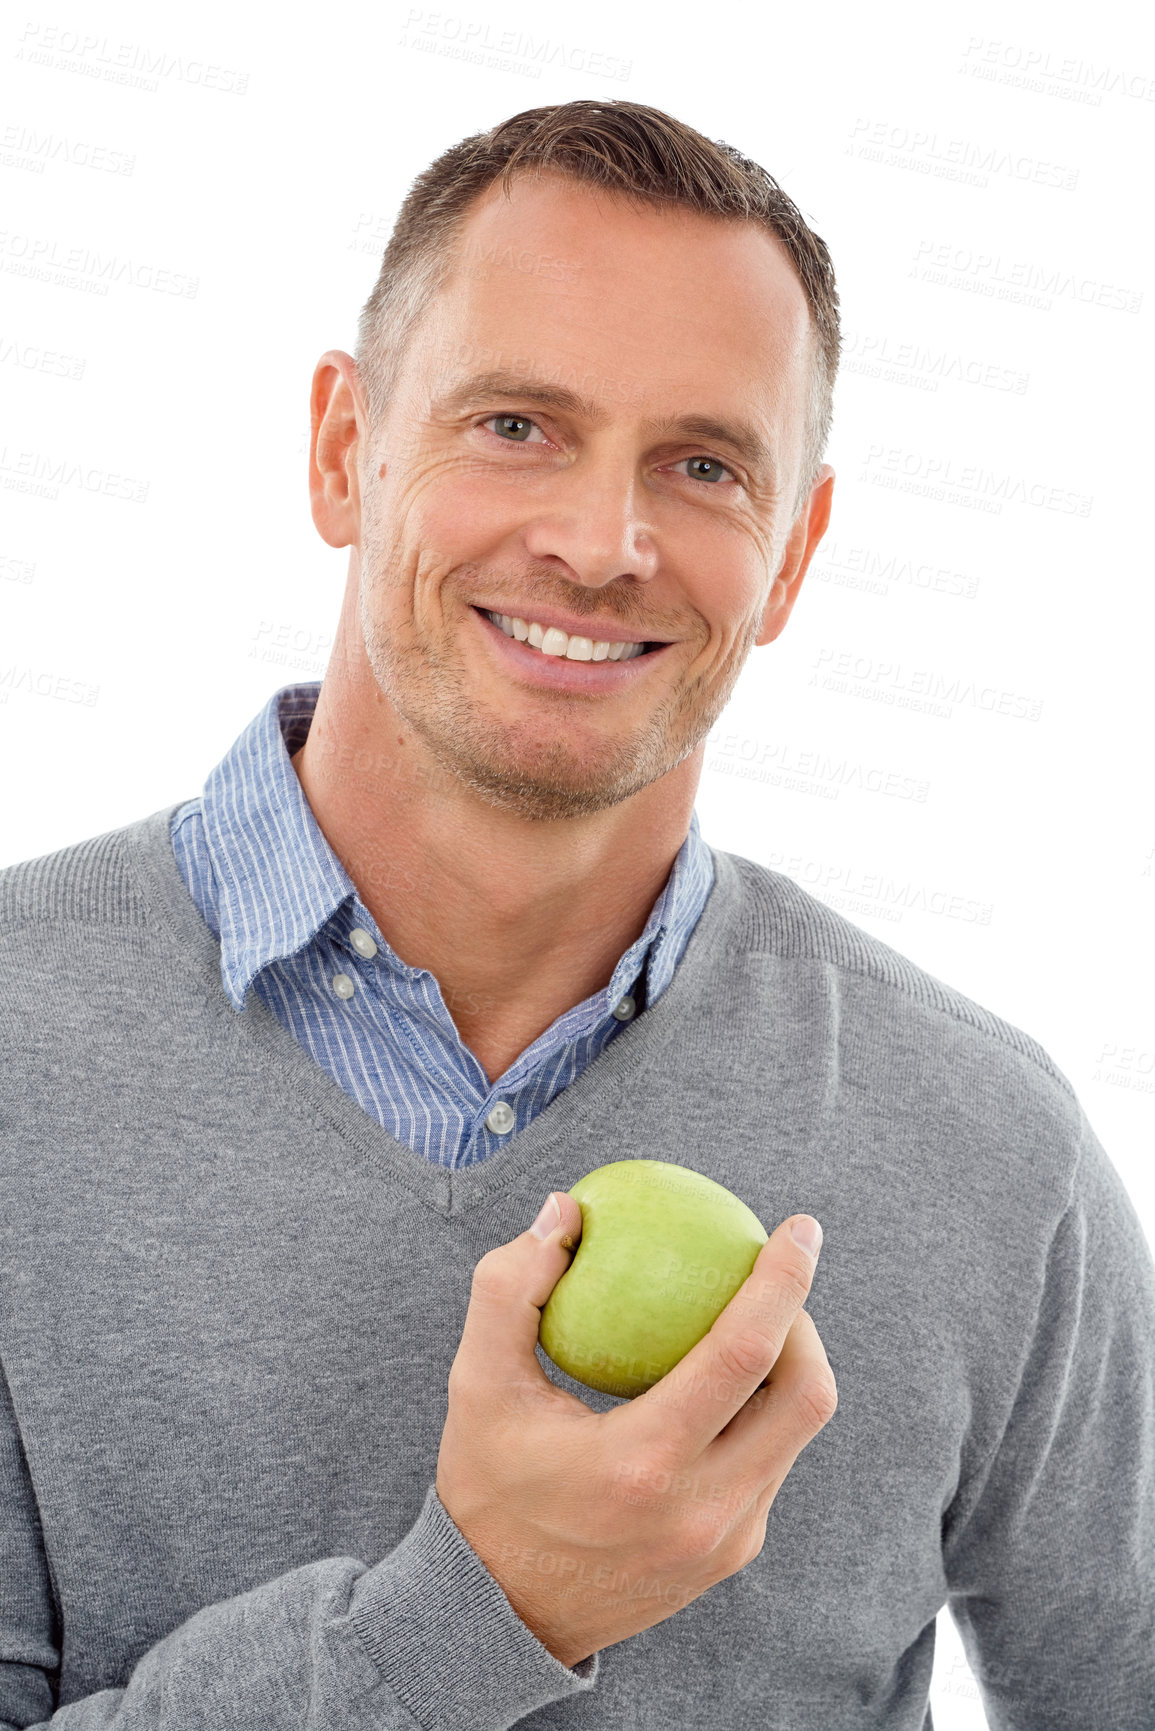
[451, 506]
[727, 582]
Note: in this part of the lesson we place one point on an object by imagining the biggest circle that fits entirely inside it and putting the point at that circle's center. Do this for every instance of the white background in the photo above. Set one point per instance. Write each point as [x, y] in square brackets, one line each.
[951, 742]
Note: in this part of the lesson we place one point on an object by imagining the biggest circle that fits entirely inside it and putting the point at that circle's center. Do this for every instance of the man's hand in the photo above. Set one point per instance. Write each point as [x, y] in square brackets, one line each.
[578, 1514]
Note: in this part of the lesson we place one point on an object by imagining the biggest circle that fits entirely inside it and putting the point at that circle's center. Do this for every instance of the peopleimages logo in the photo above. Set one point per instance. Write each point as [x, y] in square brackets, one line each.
[873, 354]
[47, 259]
[41, 684]
[33, 359]
[941, 478]
[1130, 1067]
[14, 570]
[1021, 281]
[1062, 75]
[475, 40]
[851, 889]
[128, 63]
[43, 476]
[960, 159]
[25, 147]
[882, 681]
[871, 571]
[778, 763]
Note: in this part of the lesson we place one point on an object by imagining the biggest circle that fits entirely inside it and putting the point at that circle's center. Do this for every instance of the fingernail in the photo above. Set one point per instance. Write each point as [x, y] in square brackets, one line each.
[549, 1217]
[807, 1232]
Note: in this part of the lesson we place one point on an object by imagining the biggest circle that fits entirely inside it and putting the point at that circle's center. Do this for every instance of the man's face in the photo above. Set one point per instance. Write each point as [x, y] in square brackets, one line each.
[570, 491]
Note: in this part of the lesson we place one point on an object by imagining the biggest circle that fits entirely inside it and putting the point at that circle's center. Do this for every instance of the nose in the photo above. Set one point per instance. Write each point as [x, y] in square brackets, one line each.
[593, 519]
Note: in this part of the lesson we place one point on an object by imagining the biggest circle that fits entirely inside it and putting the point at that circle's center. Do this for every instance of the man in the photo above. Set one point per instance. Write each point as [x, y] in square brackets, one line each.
[291, 1065]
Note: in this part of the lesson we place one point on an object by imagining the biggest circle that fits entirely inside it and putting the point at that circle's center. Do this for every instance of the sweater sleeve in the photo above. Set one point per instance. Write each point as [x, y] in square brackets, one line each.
[1049, 1549]
[423, 1638]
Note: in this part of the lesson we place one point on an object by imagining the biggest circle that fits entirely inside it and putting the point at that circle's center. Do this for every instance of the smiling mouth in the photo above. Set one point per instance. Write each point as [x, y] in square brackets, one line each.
[562, 645]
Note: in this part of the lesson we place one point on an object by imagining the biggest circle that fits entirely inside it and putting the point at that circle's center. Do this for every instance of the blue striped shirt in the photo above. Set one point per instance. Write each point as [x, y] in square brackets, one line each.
[284, 910]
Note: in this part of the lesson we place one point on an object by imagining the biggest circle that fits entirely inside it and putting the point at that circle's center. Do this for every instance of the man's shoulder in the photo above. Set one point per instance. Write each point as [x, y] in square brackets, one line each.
[103, 972]
[880, 983]
[89, 882]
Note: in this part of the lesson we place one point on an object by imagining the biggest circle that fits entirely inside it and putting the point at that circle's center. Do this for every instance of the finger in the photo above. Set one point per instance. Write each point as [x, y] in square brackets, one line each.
[762, 1441]
[684, 1412]
[510, 1285]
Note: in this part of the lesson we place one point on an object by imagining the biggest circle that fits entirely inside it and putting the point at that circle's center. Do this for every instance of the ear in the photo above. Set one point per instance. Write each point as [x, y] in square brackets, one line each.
[806, 532]
[338, 429]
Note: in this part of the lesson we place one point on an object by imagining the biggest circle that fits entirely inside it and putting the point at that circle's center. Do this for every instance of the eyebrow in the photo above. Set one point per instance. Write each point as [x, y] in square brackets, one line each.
[740, 435]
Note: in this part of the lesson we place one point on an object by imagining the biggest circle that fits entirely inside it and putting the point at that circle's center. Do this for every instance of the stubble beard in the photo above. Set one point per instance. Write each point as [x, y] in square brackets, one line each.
[529, 768]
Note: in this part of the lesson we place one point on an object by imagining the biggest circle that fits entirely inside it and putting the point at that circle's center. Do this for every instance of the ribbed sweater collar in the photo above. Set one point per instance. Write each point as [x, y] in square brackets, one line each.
[645, 1053]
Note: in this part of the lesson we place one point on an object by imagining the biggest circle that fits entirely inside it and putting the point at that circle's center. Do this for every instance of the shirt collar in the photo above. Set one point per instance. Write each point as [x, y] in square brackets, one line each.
[279, 881]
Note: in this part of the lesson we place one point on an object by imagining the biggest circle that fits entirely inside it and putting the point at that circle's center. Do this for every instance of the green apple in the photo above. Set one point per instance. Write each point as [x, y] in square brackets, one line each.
[663, 1251]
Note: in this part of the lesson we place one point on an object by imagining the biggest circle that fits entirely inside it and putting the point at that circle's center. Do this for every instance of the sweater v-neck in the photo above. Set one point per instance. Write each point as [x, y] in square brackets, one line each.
[581, 1106]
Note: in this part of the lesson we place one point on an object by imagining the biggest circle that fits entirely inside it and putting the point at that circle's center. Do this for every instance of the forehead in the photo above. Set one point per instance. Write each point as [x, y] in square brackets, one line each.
[646, 302]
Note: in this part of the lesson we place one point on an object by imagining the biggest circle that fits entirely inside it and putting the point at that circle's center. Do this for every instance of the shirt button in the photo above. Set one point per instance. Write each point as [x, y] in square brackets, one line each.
[362, 942]
[623, 1009]
[502, 1119]
[343, 986]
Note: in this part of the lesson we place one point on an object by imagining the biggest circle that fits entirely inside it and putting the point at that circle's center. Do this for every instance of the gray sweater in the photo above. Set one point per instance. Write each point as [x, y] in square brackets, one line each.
[229, 1301]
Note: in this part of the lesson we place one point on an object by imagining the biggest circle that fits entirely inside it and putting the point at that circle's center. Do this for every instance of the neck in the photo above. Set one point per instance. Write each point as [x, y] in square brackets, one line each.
[517, 919]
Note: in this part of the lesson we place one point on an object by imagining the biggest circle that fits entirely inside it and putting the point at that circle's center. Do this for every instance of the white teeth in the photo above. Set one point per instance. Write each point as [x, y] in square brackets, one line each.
[552, 641]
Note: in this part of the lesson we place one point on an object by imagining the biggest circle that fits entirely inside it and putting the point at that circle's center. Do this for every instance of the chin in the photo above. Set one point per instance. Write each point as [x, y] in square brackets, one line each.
[514, 789]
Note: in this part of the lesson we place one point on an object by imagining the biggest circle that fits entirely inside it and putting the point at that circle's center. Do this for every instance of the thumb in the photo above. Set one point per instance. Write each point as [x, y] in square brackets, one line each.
[560, 1221]
[512, 1282]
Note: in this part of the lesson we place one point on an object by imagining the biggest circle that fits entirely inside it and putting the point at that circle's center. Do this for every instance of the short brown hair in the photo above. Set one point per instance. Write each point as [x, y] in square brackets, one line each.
[625, 147]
